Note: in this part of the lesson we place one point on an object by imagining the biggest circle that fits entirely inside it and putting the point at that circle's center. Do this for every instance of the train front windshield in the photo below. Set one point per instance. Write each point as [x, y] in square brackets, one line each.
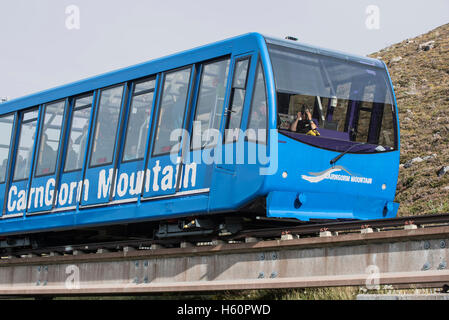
[333, 103]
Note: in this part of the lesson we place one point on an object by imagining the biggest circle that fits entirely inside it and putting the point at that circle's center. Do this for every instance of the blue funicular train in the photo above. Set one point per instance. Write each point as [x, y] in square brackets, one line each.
[201, 142]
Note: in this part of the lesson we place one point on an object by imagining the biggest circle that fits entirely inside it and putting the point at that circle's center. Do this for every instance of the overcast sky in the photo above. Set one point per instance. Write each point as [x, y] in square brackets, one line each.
[41, 46]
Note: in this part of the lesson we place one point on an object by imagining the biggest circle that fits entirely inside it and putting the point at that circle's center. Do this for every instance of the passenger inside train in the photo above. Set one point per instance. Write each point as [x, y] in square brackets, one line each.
[304, 123]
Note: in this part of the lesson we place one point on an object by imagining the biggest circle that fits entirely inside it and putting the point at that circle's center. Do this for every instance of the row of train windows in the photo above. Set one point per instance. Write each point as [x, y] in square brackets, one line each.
[110, 103]
[211, 96]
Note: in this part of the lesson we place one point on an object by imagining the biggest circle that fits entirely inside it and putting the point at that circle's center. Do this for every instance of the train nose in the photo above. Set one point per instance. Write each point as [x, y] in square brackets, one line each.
[307, 205]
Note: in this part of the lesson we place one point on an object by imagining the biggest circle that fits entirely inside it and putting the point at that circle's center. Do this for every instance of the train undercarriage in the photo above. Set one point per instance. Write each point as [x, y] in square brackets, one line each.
[169, 232]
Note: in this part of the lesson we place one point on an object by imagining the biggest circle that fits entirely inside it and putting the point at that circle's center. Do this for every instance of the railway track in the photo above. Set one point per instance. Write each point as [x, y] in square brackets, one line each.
[405, 251]
[297, 230]
[350, 225]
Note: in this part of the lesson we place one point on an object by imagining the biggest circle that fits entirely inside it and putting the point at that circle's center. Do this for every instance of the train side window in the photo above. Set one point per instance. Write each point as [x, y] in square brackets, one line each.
[6, 126]
[139, 120]
[78, 134]
[259, 112]
[235, 109]
[50, 137]
[387, 134]
[210, 101]
[106, 126]
[24, 155]
[172, 110]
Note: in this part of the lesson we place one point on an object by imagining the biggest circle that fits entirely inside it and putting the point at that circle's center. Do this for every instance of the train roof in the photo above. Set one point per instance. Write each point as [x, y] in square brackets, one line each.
[160, 64]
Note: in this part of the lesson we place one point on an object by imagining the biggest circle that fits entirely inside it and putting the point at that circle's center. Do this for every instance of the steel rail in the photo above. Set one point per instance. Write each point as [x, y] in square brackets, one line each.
[312, 228]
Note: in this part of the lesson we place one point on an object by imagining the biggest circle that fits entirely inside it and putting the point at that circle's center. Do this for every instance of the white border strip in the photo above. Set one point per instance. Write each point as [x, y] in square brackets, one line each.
[182, 193]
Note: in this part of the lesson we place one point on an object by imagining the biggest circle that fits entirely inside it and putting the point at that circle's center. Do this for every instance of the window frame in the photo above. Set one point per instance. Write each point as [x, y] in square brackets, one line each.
[60, 137]
[203, 64]
[69, 127]
[228, 110]
[132, 95]
[259, 64]
[11, 145]
[119, 120]
[160, 97]
[22, 113]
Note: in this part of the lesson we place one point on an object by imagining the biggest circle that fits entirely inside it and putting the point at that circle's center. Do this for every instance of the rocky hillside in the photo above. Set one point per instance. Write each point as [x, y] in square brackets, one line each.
[419, 69]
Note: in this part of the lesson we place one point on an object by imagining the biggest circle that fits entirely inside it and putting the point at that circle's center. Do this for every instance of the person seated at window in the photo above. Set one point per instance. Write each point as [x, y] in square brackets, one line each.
[72, 156]
[304, 123]
[47, 156]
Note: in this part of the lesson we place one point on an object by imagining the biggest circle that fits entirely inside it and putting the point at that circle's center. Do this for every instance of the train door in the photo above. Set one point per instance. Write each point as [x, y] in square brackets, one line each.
[240, 95]
[130, 174]
[7, 128]
[44, 178]
[205, 143]
[101, 161]
[71, 184]
[17, 199]
[163, 173]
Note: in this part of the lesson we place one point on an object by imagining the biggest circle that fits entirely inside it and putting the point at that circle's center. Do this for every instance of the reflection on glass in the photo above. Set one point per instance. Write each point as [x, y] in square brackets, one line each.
[238, 99]
[241, 70]
[106, 127]
[25, 148]
[49, 143]
[139, 121]
[258, 115]
[172, 109]
[6, 125]
[78, 134]
[345, 100]
[210, 99]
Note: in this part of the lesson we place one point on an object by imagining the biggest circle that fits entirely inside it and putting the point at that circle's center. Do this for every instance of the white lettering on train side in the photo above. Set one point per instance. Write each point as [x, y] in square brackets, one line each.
[156, 170]
[135, 183]
[191, 167]
[12, 205]
[167, 180]
[21, 203]
[103, 185]
[69, 193]
[49, 193]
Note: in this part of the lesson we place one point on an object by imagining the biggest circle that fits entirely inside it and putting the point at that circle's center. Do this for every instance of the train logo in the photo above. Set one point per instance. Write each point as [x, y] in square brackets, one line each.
[329, 174]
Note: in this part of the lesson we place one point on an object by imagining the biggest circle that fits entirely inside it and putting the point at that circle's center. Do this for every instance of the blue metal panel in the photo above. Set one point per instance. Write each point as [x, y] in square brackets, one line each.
[307, 205]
